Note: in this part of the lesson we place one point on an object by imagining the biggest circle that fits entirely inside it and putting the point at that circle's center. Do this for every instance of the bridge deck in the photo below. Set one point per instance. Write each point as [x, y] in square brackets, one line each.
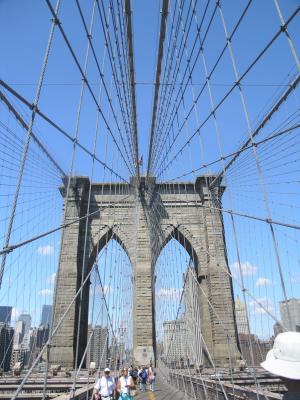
[163, 391]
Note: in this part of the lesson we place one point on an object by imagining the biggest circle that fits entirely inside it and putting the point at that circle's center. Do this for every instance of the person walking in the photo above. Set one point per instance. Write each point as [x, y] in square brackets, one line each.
[135, 375]
[139, 380]
[105, 387]
[144, 376]
[284, 360]
[125, 384]
[151, 378]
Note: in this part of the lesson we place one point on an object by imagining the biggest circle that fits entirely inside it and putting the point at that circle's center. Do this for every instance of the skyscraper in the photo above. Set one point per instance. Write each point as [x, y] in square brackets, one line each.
[5, 314]
[175, 340]
[19, 334]
[42, 335]
[293, 306]
[241, 317]
[46, 315]
[6, 344]
[98, 349]
[26, 318]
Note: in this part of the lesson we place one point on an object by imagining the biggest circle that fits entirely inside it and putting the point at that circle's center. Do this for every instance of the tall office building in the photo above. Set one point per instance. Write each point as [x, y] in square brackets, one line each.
[42, 336]
[175, 341]
[19, 355]
[19, 334]
[241, 317]
[6, 345]
[293, 306]
[46, 315]
[5, 314]
[191, 299]
[98, 349]
[26, 318]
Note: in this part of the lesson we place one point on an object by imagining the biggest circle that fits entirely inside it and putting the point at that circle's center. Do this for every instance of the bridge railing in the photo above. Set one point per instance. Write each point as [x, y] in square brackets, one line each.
[79, 394]
[202, 388]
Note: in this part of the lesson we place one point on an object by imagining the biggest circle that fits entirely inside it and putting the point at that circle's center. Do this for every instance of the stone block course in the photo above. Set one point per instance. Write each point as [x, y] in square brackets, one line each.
[144, 224]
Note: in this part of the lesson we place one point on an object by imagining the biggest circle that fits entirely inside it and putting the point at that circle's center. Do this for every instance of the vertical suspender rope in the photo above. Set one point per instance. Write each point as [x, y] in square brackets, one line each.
[257, 161]
[27, 143]
[221, 155]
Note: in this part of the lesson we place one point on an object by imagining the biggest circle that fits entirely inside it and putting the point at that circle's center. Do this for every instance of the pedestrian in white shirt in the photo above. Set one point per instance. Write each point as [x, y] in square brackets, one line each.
[105, 387]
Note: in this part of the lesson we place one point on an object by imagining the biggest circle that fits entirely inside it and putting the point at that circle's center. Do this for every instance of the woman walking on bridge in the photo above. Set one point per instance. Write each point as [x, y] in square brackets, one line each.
[125, 385]
[151, 377]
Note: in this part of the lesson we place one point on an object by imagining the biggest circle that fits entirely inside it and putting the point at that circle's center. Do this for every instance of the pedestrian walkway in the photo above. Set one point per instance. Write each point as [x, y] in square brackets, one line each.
[163, 391]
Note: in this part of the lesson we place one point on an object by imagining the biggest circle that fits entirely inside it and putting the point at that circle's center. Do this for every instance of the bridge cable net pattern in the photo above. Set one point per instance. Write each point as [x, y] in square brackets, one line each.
[213, 117]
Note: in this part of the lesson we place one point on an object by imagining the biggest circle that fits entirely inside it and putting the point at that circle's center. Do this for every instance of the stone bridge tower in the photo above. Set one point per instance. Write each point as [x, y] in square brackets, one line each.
[143, 217]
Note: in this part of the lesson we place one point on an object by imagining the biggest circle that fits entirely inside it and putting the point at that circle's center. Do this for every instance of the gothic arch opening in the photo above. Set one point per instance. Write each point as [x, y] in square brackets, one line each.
[175, 269]
[110, 303]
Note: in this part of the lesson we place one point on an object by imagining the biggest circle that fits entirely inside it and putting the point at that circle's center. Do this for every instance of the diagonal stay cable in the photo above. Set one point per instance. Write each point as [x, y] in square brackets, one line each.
[235, 85]
[27, 142]
[292, 86]
[128, 13]
[157, 78]
[238, 152]
[166, 116]
[12, 247]
[168, 123]
[59, 129]
[88, 85]
[33, 135]
[111, 55]
[89, 37]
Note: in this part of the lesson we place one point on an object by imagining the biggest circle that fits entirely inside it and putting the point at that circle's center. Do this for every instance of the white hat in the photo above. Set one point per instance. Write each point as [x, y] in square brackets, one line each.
[284, 358]
[107, 370]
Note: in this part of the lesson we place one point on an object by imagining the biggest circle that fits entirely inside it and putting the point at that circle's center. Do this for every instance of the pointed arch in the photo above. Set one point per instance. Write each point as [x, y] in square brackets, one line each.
[107, 234]
[183, 236]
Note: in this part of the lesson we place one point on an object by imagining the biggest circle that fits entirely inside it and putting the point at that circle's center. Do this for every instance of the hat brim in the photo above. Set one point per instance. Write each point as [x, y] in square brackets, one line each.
[286, 369]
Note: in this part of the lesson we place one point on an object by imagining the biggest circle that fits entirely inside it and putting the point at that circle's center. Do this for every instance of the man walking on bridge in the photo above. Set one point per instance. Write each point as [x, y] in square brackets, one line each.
[105, 387]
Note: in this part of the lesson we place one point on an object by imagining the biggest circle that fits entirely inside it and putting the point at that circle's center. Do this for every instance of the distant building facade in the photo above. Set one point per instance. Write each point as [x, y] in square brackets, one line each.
[5, 314]
[175, 341]
[19, 334]
[293, 306]
[19, 355]
[277, 328]
[193, 340]
[241, 317]
[98, 348]
[46, 315]
[259, 348]
[42, 336]
[6, 346]
[26, 319]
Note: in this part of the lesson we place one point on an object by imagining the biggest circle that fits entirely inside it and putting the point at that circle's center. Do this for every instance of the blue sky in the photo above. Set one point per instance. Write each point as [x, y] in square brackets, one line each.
[24, 29]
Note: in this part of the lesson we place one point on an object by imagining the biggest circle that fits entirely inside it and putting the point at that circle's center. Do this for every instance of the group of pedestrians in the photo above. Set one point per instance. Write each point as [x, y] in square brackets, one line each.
[125, 385]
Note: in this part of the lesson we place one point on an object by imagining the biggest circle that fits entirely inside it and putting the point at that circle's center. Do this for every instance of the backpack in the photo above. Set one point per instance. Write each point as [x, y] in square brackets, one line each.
[144, 374]
[135, 373]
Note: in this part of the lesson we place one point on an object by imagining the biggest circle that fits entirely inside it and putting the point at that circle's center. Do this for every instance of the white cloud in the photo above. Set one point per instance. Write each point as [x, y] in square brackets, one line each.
[51, 279]
[46, 250]
[170, 293]
[263, 282]
[15, 314]
[247, 268]
[258, 309]
[45, 292]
